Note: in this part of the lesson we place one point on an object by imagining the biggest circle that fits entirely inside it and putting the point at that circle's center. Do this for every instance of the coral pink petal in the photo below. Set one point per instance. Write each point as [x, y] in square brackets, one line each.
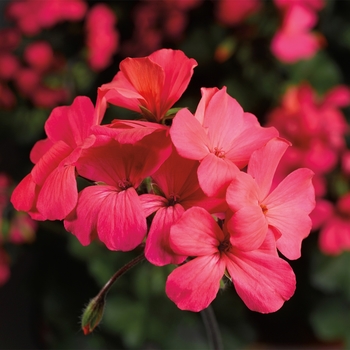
[157, 250]
[215, 174]
[195, 234]
[242, 191]
[251, 138]
[248, 228]
[263, 281]
[148, 79]
[59, 194]
[39, 149]
[207, 94]
[121, 223]
[295, 191]
[50, 161]
[188, 136]
[223, 120]
[23, 196]
[151, 203]
[194, 285]
[71, 124]
[82, 221]
[263, 164]
[178, 70]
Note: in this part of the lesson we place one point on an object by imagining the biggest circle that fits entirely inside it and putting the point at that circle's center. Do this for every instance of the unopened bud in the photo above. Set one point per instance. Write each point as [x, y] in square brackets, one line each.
[93, 314]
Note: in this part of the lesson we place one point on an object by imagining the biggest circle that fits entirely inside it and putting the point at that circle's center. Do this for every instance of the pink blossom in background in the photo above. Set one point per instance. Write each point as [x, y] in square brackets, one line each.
[157, 21]
[111, 210]
[102, 38]
[335, 233]
[10, 39]
[175, 189]
[220, 135]
[148, 85]
[312, 4]
[9, 65]
[294, 40]
[50, 192]
[7, 97]
[39, 55]
[345, 162]
[262, 279]
[34, 15]
[232, 12]
[314, 125]
[285, 209]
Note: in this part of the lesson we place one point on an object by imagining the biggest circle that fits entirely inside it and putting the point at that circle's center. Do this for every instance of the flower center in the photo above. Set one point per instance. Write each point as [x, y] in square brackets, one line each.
[124, 184]
[224, 246]
[219, 152]
[173, 199]
[263, 208]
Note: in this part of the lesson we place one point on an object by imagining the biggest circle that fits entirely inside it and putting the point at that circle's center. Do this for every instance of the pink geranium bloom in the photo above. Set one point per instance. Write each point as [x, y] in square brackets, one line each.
[148, 85]
[335, 234]
[294, 41]
[262, 279]
[102, 38]
[312, 4]
[49, 192]
[231, 12]
[315, 126]
[39, 55]
[33, 15]
[176, 189]
[284, 209]
[111, 210]
[220, 135]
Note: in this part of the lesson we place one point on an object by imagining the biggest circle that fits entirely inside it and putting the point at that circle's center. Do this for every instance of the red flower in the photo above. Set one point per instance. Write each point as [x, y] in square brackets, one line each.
[49, 192]
[220, 135]
[262, 279]
[112, 209]
[148, 85]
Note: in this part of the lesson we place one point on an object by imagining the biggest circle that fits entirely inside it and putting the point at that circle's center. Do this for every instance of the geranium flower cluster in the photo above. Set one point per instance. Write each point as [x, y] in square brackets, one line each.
[317, 127]
[196, 188]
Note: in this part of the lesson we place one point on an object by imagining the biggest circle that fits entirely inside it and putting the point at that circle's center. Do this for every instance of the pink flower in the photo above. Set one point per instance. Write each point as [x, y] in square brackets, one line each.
[49, 192]
[294, 41]
[315, 126]
[39, 55]
[335, 234]
[231, 12]
[9, 65]
[112, 210]
[102, 38]
[262, 279]
[34, 15]
[220, 135]
[257, 208]
[148, 85]
[176, 189]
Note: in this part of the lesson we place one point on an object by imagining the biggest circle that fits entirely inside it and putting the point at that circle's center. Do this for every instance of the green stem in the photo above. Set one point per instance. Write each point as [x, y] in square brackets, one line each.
[212, 328]
[103, 292]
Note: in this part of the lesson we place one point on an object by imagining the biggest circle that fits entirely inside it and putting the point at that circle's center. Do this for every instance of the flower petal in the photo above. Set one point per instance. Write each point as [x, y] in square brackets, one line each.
[196, 233]
[194, 285]
[121, 223]
[188, 136]
[59, 194]
[263, 281]
[248, 228]
[215, 174]
[263, 164]
[157, 250]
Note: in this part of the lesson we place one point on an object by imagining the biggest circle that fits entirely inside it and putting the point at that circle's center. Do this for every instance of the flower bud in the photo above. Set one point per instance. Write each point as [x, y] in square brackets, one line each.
[93, 314]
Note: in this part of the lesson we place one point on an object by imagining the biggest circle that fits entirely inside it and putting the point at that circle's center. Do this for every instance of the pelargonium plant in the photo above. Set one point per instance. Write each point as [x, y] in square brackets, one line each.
[193, 190]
